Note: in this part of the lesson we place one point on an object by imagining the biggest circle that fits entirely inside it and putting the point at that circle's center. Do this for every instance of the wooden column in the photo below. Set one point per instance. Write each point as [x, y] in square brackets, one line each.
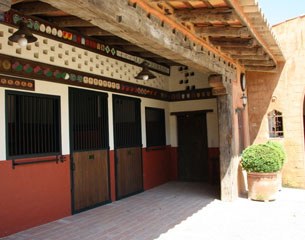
[5, 5]
[228, 158]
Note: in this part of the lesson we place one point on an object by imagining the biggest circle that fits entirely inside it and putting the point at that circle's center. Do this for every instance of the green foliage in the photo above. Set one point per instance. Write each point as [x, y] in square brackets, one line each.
[281, 149]
[267, 157]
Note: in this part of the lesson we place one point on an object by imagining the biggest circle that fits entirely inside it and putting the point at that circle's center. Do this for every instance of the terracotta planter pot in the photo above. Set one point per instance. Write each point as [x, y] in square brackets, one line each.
[262, 186]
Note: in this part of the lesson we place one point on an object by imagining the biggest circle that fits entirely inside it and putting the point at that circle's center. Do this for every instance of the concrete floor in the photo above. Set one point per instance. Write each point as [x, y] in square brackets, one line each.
[179, 210]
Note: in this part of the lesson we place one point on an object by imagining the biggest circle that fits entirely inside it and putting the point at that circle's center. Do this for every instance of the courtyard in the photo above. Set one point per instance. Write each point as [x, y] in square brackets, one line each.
[181, 210]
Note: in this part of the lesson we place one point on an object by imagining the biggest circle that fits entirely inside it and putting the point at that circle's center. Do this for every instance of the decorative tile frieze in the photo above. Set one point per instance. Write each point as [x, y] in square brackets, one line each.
[17, 83]
[54, 32]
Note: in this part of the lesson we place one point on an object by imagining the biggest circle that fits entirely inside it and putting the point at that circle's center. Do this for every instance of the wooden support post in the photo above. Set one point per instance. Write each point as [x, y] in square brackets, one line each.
[228, 157]
[228, 160]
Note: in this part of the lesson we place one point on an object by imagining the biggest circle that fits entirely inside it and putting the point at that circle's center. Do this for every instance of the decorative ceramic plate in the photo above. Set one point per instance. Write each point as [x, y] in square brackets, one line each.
[6, 64]
[59, 33]
[42, 28]
[30, 23]
[66, 76]
[48, 30]
[54, 31]
[73, 77]
[16, 18]
[79, 78]
[86, 79]
[36, 25]
[95, 81]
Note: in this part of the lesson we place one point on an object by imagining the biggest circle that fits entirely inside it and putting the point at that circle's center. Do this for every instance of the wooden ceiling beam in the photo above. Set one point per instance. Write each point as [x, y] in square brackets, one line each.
[35, 8]
[113, 40]
[139, 23]
[93, 31]
[232, 42]
[206, 15]
[70, 21]
[148, 55]
[133, 48]
[243, 51]
[222, 31]
[265, 63]
[251, 57]
[261, 68]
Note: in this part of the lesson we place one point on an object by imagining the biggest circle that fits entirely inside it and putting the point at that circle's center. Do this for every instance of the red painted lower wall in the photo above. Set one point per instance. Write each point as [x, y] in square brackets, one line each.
[156, 166]
[33, 194]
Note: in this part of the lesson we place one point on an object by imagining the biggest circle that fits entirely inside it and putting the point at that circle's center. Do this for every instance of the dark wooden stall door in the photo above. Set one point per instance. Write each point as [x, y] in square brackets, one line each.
[129, 171]
[89, 149]
[91, 186]
[192, 147]
[128, 145]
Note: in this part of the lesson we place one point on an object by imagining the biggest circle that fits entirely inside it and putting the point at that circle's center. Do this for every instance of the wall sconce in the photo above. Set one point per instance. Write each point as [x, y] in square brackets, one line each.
[23, 35]
[244, 100]
[145, 74]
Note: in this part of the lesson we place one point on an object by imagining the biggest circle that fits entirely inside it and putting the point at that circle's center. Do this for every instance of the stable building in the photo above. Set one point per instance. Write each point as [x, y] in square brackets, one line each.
[117, 97]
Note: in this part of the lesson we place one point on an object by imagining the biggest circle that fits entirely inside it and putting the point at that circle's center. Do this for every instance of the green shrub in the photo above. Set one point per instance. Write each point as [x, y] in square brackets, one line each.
[268, 157]
[281, 149]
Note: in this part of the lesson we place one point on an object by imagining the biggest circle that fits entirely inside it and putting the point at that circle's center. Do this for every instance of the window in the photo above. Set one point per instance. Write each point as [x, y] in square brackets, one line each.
[275, 121]
[126, 121]
[33, 124]
[88, 119]
[155, 127]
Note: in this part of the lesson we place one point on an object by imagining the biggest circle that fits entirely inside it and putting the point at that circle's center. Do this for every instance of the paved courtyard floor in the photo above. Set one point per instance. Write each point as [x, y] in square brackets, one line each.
[181, 211]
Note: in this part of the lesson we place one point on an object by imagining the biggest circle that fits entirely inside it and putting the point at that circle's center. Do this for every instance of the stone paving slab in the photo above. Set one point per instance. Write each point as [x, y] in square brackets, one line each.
[179, 210]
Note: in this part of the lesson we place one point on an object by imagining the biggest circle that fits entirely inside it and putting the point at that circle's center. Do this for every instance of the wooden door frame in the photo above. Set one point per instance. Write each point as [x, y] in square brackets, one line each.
[115, 148]
[72, 166]
[183, 113]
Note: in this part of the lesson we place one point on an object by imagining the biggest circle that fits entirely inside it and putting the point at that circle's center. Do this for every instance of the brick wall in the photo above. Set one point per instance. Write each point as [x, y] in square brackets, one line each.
[283, 91]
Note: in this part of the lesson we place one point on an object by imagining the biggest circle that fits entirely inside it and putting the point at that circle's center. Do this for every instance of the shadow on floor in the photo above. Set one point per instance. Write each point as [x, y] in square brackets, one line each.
[142, 216]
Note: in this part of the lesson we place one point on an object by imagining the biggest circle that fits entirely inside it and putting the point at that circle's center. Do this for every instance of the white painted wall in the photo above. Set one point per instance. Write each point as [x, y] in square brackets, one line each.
[200, 80]
[61, 54]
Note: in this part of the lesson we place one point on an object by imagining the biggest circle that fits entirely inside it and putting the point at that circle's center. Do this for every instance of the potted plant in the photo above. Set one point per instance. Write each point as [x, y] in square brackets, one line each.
[262, 163]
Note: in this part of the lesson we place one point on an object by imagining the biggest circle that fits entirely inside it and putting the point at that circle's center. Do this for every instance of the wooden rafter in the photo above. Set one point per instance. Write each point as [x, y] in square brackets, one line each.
[70, 21]
[206, 15]
[232, 42]
[93, 31]
[261, 68]
[222, 31]
[251, 57]
[243, 51]
[265, 63]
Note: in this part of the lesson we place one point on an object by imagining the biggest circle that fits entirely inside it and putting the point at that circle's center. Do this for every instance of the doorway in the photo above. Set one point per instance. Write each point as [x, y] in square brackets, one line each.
[89, 149]
[192, 147]
[127, 145]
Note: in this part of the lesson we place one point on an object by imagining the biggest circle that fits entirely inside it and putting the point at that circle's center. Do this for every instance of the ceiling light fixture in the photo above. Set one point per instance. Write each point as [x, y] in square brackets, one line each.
[23, 35]
[145, 74]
